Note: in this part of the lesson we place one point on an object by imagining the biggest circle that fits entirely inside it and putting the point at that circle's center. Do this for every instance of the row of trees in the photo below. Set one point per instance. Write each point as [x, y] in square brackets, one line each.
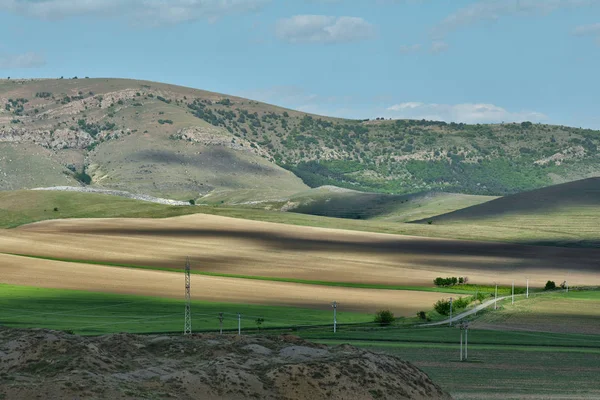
[450, 281]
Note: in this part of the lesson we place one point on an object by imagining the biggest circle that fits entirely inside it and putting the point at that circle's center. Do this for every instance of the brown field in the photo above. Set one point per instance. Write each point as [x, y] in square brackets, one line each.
[234, 246]
[98, 278]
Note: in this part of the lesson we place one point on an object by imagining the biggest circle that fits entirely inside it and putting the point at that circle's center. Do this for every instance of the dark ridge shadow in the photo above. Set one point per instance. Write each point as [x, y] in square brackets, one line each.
[355, 205]
[522, 254]
[215, 158]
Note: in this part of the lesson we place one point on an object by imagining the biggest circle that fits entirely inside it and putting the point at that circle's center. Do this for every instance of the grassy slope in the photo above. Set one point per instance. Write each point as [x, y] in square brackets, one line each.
[574, 228]
[337, 203]
[382, 156]
[569, 210]
[23, 207]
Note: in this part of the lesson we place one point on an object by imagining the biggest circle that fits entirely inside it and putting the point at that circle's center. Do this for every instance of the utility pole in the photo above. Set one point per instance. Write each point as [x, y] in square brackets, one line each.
[220, 323]
[513, 292]
[187, 325]
[450, 311]
[461, 340]
[334, 305]
[466, 338]
[239, 324]
[496, 298]
[464, 330]
[527, 295]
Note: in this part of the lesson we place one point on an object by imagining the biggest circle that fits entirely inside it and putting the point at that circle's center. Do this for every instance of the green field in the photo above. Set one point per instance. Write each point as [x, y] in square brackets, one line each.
[506, 364]
[504, 372]
[100, 313]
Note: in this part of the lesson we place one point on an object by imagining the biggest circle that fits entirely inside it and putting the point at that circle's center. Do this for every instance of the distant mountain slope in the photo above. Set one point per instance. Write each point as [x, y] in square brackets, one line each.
[547, 201]
[333, 202]
[172, 141]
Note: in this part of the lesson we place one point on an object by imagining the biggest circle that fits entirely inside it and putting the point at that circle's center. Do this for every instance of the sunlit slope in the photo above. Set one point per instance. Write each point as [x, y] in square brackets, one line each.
[567, 213]
[26, 206]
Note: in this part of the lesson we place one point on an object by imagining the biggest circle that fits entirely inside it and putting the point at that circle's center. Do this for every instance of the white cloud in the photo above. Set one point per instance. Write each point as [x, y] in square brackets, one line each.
[467, 113]
[585, 30]
[25, 60]
[439, 46]
[323, 29]
[495, 9]
[141, 12]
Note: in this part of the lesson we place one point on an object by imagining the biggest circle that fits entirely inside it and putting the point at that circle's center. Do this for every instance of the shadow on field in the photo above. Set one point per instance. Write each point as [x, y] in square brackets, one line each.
[510, 254]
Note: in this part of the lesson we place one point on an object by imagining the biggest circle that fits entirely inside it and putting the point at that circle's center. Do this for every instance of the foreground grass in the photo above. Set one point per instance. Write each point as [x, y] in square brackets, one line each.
[556, 312]
[503, 372]
[458, 289]
[92, 313]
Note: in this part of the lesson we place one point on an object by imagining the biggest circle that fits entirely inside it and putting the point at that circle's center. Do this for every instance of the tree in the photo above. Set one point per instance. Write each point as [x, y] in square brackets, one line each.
[384, 317]
[550, 285]
[422, 315]
[442, 307]
[259, 322]
[192, 202]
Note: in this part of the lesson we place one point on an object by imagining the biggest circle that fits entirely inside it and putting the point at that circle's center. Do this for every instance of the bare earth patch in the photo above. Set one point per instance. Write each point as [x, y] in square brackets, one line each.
[50, 364]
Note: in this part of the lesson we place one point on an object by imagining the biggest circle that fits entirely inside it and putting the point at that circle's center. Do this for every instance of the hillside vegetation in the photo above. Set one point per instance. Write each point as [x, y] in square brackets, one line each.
[184, 143]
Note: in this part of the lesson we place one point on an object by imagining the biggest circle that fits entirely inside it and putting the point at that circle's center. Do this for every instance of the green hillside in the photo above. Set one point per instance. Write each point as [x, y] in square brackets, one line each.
[565, 214]
[173, 141]
[344, 203]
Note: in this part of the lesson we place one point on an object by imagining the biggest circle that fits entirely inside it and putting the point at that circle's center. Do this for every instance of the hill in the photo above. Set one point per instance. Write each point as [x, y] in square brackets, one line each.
[52, 364]
[177, 142]
[351, 204]
[570, 210]
[553, 199]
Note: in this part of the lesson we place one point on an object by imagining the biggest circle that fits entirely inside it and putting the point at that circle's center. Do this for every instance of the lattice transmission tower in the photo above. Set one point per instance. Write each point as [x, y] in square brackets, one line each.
[187, 326]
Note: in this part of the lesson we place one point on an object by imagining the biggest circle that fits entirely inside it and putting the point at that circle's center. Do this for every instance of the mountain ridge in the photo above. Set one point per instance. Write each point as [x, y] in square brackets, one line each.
[177, 142]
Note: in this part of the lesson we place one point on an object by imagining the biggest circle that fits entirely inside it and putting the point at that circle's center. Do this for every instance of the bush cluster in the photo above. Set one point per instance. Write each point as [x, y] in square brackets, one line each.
[450, 281]
[384, 317]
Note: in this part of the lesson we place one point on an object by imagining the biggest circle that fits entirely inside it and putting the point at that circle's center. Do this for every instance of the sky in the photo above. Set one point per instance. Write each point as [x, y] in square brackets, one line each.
[472, 61]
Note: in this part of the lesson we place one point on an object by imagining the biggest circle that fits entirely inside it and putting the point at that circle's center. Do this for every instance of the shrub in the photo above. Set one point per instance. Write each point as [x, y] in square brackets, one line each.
[422, 315]
[259, 322]
[192, 202]
[550, 285]
[55, 209]
[442, 307]
[384, 317]
[83, 178]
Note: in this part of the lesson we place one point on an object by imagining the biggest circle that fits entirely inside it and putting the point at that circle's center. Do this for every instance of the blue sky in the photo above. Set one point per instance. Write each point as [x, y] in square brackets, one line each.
[472, 61]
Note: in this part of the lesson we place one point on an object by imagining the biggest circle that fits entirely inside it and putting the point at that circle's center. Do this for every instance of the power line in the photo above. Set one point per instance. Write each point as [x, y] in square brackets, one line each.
[187, 324]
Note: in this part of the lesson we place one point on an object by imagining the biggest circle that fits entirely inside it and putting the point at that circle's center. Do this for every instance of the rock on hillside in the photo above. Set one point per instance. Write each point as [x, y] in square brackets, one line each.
[176, 142]
[51, 364]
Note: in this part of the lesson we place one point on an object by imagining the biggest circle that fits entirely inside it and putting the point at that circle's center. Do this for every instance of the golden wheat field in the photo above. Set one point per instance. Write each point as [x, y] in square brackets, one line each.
[234, 246]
